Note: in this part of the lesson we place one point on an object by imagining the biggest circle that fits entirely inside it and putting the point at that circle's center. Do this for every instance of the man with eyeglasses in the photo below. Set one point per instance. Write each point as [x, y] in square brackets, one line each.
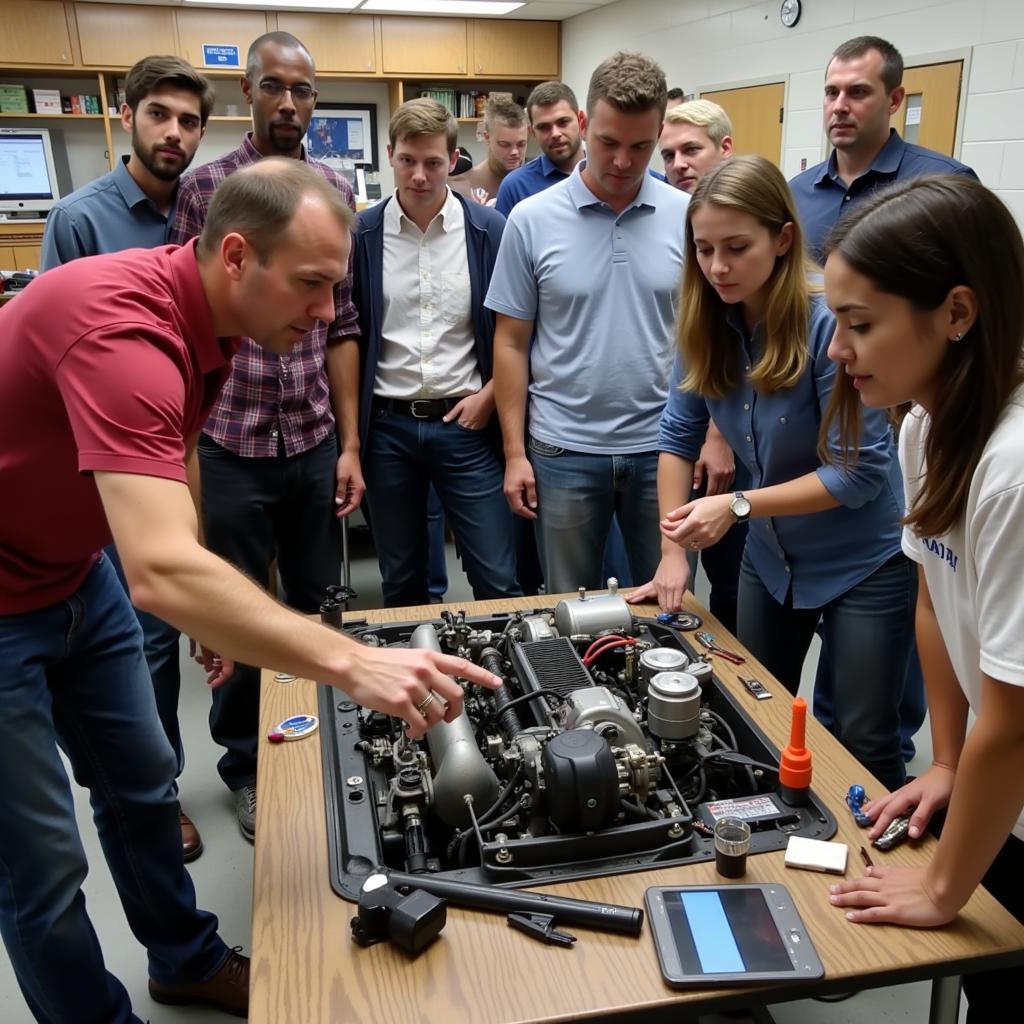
[269, 454]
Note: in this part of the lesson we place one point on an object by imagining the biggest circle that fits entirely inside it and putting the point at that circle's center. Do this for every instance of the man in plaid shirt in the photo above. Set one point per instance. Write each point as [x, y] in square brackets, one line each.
[269, 451]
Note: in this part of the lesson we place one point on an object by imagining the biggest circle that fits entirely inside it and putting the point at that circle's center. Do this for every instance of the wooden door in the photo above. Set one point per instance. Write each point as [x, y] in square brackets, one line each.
[218, 28]
[516, 48]
[927, 117]
[115, 36]
[756, 115]
[34, 32]
[424, 46]
[338, 42]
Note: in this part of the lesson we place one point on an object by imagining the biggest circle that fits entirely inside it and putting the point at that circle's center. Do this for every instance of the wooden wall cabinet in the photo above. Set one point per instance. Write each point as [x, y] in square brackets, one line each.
[424, 46]
[339, 43]
[116, 36]
[35, 32]
[220, 28]
[21, 244]
[515, 48]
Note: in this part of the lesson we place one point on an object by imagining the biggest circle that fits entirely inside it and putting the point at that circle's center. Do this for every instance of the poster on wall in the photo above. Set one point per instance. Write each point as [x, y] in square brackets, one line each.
[344, 136]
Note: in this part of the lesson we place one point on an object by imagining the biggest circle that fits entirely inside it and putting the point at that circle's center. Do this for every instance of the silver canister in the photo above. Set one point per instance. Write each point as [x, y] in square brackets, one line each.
[588, 616]
[673, 705]
[659, 659]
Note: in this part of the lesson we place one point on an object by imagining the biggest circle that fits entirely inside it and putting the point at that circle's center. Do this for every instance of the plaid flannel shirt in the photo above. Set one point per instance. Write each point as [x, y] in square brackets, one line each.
[270, 403]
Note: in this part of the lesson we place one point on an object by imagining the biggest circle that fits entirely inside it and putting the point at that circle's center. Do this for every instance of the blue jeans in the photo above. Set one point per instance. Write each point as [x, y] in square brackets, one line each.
[913, 707]
[867, 636]
[402, 457]
[577, 496]
[161, 650]
[73, 674]
[256, 510]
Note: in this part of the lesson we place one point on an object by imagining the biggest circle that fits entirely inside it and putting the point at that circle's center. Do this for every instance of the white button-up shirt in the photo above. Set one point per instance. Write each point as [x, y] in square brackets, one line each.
[427, 345]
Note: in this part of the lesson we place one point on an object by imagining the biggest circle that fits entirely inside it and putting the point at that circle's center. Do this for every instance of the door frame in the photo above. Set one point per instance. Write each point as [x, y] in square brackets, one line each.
[750, 83]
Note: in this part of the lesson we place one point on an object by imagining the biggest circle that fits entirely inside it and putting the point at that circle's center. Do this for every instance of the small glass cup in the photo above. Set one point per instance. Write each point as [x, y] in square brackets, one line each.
[732, 844]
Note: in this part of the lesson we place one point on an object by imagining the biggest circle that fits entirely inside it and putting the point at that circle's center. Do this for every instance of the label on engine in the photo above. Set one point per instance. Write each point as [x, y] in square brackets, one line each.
[759, 808]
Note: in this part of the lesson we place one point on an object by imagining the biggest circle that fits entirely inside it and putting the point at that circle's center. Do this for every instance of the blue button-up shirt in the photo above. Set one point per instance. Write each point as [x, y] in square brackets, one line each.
[108, 215]
[822, 197]
[822, 554]
[533, 177]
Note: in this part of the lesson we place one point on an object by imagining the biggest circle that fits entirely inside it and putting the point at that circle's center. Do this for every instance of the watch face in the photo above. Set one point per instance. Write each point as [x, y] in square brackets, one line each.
[790, 12]
[740, 507]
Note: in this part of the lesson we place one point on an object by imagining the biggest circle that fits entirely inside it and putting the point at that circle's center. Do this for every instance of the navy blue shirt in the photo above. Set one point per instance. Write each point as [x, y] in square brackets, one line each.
[822, 554]
[533, 177]
[108, 215]
[822, 197]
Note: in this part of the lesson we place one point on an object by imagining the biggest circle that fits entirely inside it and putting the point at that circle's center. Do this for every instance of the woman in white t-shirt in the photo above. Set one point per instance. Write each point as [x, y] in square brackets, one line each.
[927, 284]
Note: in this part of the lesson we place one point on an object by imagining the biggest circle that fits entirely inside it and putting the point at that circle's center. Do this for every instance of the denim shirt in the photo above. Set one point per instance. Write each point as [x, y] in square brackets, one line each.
[823, 554]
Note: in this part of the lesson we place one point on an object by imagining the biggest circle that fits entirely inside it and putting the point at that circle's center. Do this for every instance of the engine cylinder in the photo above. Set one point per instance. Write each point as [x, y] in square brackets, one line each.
[673, 706]
[659, 659]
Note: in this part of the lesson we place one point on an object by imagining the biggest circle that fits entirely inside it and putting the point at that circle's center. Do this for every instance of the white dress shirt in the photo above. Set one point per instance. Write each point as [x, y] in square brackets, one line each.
[427, 344]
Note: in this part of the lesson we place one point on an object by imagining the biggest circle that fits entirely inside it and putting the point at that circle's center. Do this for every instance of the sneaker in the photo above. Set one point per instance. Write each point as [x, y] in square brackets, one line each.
[245, 808]
[228, 989]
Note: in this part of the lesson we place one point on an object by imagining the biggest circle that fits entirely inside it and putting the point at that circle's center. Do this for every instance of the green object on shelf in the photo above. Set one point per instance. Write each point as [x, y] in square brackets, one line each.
[13, 99]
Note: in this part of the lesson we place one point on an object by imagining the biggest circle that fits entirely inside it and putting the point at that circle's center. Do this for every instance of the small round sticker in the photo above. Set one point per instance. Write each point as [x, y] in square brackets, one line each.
[295, 728]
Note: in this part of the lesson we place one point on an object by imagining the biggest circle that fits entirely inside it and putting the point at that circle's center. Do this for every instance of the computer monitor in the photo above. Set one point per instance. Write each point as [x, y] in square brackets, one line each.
[28, 178]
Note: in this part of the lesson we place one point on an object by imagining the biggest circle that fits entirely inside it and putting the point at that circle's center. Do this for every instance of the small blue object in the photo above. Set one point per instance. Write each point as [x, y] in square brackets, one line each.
[681, 620]
[215, 56]
[296, 727]
[855, 798]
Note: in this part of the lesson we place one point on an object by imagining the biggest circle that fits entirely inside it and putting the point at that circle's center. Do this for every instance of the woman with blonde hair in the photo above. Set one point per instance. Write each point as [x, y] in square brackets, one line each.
[824, 540]
[927, 281]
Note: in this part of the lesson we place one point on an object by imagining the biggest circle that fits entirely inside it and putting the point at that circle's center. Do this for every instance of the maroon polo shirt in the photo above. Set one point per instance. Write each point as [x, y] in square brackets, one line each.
[106, 363]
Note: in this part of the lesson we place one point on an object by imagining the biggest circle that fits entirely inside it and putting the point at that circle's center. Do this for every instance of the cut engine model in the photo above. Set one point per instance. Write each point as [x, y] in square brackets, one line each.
[610, 746]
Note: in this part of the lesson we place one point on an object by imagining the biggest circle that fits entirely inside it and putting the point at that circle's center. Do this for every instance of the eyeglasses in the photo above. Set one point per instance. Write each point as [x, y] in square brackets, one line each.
[300, 93]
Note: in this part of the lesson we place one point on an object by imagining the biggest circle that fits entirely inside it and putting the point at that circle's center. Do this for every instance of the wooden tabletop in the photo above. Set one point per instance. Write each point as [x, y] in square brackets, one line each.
[307, 970]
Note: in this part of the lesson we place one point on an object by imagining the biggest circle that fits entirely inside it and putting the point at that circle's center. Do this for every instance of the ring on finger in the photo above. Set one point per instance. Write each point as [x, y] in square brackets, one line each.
[425, 703]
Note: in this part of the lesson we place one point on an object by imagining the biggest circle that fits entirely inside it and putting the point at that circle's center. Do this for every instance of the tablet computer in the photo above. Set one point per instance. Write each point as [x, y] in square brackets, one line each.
[709, 935]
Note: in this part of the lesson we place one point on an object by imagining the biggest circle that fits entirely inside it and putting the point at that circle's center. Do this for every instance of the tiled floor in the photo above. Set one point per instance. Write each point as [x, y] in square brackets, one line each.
[223, 874]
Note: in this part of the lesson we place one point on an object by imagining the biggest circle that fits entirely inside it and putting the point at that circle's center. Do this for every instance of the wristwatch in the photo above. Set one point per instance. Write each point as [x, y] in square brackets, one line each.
[740, 507]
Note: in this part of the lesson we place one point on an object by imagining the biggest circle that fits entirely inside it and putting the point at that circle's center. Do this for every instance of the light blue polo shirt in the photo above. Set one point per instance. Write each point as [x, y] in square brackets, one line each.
[109, 214]
[601, 289]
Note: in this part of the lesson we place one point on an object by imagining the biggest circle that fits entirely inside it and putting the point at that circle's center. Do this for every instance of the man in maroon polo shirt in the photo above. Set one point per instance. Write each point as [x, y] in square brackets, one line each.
[99, 407]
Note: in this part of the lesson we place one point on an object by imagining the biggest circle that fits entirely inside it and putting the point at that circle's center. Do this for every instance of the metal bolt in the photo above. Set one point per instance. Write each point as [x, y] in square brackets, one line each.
[354, 780]
[676, 831]
[591, 803]
[503, 856]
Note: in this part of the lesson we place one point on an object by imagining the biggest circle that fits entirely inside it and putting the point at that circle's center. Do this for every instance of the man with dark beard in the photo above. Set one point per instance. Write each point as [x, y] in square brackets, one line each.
[167, 105]
[272, 483]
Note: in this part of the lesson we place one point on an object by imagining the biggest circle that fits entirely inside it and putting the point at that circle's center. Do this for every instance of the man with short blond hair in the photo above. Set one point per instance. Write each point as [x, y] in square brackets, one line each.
[695, 137]
[418, 407]
[506, 136]
[585, 291]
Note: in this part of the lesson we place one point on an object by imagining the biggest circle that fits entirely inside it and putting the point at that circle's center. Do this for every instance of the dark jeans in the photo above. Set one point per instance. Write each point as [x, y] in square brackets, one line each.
[867, 633]
[255, 510]
[437, 571]
[991, 995]
[161, 650]
[913, 707]
[73, 675]
[402, 457]
[722, 564]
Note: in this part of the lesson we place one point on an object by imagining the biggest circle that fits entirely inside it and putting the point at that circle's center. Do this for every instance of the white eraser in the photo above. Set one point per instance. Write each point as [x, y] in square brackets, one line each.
[815, 855]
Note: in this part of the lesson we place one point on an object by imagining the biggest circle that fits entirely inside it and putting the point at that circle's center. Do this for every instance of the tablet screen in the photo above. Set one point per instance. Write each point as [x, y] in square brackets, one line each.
[726, 931]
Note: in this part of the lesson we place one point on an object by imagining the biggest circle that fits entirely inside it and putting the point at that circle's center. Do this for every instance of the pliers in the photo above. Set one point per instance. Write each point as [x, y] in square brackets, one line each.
[708, 642]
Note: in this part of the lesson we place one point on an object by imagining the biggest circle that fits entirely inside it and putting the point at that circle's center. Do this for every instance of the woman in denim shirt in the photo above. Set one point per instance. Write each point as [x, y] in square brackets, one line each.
[824, 540]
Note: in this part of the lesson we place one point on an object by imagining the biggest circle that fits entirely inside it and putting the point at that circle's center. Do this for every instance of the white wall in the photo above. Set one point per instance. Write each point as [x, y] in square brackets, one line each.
[706, 43]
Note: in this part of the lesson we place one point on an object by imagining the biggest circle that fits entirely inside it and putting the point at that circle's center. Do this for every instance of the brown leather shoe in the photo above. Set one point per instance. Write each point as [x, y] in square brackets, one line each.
[228, 989]
[191, 841]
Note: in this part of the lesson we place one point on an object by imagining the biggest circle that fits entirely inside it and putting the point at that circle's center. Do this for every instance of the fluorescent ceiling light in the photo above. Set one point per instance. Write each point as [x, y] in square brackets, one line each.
[276, 5]
[440, 6]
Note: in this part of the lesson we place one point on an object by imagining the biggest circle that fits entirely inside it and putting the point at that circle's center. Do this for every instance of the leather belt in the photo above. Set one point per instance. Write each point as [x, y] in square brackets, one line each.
[418, 408]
